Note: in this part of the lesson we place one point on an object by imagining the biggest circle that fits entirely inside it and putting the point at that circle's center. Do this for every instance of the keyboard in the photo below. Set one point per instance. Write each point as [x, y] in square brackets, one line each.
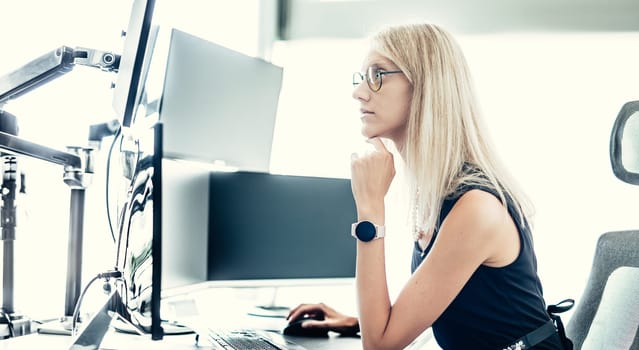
[247, 339]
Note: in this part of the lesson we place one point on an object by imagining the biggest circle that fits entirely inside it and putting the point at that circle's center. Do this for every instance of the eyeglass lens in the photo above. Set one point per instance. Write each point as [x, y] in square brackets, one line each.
[374, 79]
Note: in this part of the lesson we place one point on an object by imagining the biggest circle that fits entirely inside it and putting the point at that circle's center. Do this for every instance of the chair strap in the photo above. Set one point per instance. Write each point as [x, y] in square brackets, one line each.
[554, 325]
[533, 338]
[553, 311]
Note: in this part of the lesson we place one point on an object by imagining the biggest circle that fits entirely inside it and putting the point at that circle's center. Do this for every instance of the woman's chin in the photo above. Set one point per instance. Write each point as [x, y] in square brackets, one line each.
[368, 133]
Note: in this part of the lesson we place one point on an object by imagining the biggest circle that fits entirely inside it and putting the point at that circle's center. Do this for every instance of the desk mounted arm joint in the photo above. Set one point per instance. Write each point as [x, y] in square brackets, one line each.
[53, 65]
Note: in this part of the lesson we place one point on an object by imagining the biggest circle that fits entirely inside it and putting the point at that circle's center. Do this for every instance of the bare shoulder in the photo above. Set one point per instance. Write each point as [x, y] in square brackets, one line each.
[487, 226]
[480, 207]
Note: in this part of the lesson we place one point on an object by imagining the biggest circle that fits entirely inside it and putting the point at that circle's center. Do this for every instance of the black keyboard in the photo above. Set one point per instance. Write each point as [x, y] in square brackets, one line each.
[241, 340]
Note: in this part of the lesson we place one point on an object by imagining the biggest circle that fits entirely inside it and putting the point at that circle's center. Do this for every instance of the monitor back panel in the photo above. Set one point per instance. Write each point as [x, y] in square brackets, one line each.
[185, 222]
[218, 104]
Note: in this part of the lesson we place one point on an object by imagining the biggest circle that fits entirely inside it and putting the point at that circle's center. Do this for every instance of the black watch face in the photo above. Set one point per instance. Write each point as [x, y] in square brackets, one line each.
[365, 231]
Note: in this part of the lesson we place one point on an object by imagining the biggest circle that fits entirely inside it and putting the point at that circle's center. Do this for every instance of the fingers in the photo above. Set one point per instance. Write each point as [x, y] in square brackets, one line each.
[317, 324]
[294, 313]
[328, 323]
[371, 175]
[344, 325]
[304, 309]
[377, 143]
[373, 144]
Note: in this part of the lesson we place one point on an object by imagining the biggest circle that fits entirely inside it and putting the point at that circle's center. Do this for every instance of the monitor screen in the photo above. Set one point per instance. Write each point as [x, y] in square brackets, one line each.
[280, 229]
[126, 94]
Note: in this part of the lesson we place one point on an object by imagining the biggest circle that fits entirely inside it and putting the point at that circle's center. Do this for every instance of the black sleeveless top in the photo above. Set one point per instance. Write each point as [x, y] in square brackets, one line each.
[497, 305]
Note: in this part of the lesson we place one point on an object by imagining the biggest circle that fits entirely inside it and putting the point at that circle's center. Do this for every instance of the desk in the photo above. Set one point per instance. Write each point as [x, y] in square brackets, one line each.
[121, 341]
[333, 342]
[223, 308]
[112, 340]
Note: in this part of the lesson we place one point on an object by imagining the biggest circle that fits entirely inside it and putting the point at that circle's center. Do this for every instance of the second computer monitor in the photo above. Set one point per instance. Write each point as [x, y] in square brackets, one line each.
[267, 229]
[216, 104]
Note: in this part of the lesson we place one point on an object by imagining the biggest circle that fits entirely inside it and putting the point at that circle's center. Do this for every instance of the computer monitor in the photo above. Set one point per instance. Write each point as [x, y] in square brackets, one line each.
[139, 251]
[136, 298]
[130, 72]
[236, 229]
[182, 112]
[162, 229]
[274, 230]
[217, 105]
[199, 90]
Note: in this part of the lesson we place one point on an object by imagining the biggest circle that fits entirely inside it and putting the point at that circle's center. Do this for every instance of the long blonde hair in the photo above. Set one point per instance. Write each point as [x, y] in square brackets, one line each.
[445, 131]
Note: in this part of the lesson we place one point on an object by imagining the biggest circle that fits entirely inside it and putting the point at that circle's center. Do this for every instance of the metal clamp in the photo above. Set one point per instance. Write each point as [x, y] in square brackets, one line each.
[106, 61]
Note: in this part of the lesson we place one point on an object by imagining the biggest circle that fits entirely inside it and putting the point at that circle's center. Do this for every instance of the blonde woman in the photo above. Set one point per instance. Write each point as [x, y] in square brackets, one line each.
[474, 275]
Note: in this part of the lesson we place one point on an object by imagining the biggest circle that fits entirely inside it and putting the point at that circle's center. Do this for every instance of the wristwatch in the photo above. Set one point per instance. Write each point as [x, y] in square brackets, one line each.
[366, 231]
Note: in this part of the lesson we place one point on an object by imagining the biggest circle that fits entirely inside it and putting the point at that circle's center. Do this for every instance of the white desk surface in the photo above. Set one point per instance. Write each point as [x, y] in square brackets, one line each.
[120, 341]
[226, 308]
[112, 340]
[210, 308]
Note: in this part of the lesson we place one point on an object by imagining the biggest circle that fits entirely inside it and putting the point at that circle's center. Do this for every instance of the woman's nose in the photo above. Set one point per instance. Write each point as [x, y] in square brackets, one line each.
[361, 92]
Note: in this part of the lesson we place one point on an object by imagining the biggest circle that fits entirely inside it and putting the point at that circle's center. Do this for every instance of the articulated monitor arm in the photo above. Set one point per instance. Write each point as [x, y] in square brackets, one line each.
[18, 146]
[51, 66]
[78, 170]
[77, 163]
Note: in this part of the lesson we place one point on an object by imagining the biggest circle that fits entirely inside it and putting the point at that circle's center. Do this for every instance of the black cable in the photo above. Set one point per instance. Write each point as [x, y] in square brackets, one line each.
[125, 209]
[108, 171]
[76, 310]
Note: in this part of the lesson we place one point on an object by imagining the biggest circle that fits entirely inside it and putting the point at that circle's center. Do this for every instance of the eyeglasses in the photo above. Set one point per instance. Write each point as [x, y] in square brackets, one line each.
[373, 77]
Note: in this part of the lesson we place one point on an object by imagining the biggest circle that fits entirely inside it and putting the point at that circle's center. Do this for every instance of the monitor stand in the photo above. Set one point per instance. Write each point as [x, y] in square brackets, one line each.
[91, 335]
[61, 326]
[169, 328]
[271, 309]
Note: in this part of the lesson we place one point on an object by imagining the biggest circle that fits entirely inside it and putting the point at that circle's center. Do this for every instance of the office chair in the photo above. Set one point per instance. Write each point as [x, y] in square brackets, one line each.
[614, 250]
[608, 313]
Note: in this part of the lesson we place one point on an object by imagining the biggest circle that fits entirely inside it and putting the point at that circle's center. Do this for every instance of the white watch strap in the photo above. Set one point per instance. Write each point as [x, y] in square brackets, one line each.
[381, 231]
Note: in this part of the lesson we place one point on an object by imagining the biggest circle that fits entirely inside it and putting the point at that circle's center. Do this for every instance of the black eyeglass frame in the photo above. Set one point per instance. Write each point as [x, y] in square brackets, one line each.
[358, 77]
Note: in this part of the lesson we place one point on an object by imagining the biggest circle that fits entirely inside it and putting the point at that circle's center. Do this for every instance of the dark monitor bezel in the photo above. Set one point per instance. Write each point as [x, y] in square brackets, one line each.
[126, 93]
[157, 332]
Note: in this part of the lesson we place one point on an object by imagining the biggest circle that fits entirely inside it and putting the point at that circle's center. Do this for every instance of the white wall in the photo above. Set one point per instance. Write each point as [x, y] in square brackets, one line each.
[551, 100]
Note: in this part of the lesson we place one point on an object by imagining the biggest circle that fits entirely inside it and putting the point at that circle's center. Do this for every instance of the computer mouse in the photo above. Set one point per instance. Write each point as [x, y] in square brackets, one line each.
[295, 328]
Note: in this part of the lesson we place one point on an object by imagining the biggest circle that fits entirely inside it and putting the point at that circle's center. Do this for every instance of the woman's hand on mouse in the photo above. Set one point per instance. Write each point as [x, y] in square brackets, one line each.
[325, 317]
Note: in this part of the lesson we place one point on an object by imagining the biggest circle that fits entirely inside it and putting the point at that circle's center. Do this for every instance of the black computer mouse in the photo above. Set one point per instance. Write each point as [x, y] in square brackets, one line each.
[295, 328]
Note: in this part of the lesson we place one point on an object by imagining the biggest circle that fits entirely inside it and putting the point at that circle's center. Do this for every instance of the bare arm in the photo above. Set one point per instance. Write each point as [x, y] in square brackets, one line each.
[371, 176]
